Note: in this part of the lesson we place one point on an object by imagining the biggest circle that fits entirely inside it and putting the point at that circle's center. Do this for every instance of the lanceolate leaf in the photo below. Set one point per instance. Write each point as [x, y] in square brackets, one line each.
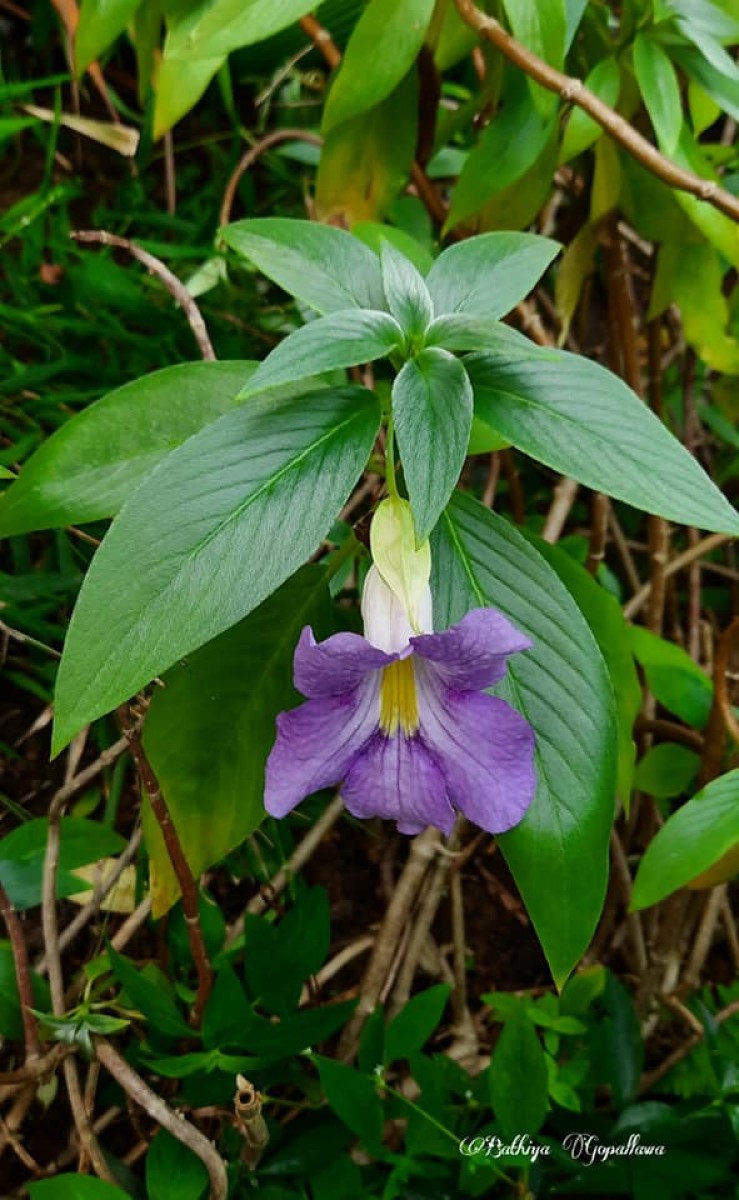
[406, 293]
[561, 685]
[483, 277]
[101, 21]
[342, 339]
[691, 840]
[324, 267]
[432, 409]
[389, 36]
[207, 30]
[220, 524]
[209, 730]
[660, 90]
[581, 420]
[89, 467]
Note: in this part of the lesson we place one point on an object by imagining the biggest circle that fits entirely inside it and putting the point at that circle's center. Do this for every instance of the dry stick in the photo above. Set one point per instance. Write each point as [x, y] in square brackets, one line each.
[88, 1141]
[180, 866]
[99, 892]
[250, 157]
[36, 1068]
[651, 1077]
[704, 936]
[624, 551]
[22, 975]
[633, 921]
[620, 130]
[299, 857]
[81, 780]
[175, 286]
[705, 546]
[599, 507]
[721, 720]
[659, 530]
[139, 1091]
[727, 917]
[423, 850]
[429, 906]
[565, 494]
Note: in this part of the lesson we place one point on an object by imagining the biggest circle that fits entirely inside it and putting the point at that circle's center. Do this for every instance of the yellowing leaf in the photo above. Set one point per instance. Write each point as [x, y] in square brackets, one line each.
[122, 896]
[121, 138]
[405, 568]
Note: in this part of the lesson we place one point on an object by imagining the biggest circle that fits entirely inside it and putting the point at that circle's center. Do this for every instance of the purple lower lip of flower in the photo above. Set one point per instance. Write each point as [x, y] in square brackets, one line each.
[410, 736]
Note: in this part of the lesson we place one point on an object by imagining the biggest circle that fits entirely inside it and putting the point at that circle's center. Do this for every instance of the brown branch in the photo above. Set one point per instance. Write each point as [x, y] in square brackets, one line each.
[139, 1091]
[251, 155]
[322, 41]
[180, 865]
[599, 507]
[88, 1142]
[574, 91]
[651, 1077]
[721, 720]
[704, 546]
[423, 850]
[175, 286]
[565, 494]
[22, 975]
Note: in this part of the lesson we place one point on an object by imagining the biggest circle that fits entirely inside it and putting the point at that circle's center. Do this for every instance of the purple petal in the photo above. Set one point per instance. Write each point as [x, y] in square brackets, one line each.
[486, 751]
[316, 744]
[472, 654]
[396, 778]
[335, 666]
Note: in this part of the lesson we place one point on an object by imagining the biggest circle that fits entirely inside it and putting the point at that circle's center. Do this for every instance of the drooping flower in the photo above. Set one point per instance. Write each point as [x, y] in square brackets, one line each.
[400, 720]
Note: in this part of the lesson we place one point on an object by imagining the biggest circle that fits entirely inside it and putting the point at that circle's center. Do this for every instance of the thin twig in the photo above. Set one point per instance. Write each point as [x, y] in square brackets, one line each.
[250, 157]
[101, 889]
[423, 850]
[651, 1077]
[574, 91]
[139, 1091]
[565, 494]
[705, 546]
[322, 40]
[175, 286]
[180, 866]
[22, 975]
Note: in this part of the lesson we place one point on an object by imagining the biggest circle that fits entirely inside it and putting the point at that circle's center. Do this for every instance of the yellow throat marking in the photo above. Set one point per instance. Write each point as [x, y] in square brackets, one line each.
[398, 699]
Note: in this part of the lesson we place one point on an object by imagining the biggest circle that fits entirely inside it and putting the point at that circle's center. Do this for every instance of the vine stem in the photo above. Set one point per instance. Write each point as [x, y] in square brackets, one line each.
[574, 90]
[180, 865]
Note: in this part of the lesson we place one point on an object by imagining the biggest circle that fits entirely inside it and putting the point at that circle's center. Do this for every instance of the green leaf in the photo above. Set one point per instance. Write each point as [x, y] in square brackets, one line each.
[660, 90]
[409, 1031]
[518, 1077]
[11, 1021]
[406, 293]
[543, 28]
[388, 36]
[210, 728]
[722, 88]
[205, 30]
[432, 410]
[150, 999]
[343, 339]
[457, 331]
[179, 86]
[173, 1171]
[374, 233]
[616, 1048]
[675, 680]
[485, 276]
[279, 958]
[562, 687]
[666, 770]
[100, 23]
[581, 130]
[324, 267]
[283, 470]
[581, 420]
[718, 228]
[226, 1012]
[92, 463]
[507, 148]
[366, 161]
[354, 1099]
[23, 850]
[690, 841]
[606, 620]
[75, 1187]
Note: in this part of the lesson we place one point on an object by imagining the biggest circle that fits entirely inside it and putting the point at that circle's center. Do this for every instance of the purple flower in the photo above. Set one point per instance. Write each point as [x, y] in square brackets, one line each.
[403, 724]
